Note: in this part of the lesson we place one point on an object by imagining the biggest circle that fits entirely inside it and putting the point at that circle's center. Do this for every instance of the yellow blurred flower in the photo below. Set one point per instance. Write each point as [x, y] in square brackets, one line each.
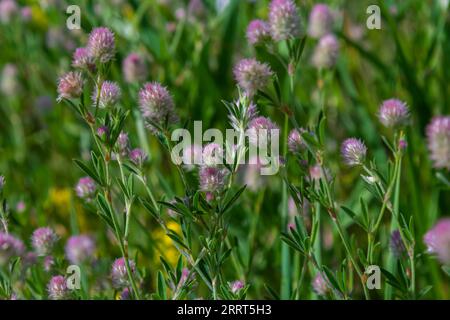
[165, 244]
[38, 16]
[128, 11]
[60, 199]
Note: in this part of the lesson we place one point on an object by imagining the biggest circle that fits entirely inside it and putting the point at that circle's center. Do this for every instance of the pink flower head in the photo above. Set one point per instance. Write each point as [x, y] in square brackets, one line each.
[26, 13]
[8, 8]
[85, 188]
[252, 75]
[320, 21]
[258, 32]
[393, 113]
[134, 68]
[57, 288]
[101, 45]
[212, 179]
[284, 20]
[295, 141]
[236, 286]
[109, 95]
[119, 275]
[326, 52]
[43, 240]
[70, 86]
[320, 285]
[438, 138]
[156, 105]
[137, 156]
[81, 59]
[437, 240]
[260, 130]
[10, 247]
[353, 152]
[80, 249]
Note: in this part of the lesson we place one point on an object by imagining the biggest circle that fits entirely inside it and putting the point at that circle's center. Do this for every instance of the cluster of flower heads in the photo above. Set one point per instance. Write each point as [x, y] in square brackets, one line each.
[320, 27]
[393, 113]
[284, 23]
[9, 10]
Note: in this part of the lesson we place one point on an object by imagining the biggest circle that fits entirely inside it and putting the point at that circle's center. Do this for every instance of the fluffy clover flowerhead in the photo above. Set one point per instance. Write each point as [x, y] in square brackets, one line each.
[79, 249]
[438, 137]
[43, 240]
[101, 44]
[393, 113]
[258, 32]
[156, 105]
[57, 288]
[10, 246]
[320, 285]
[109, 95]
[70, 85]
[353, 152]
[326, 52]
[437, 240]
[252, 75]
[284, 20]
[396, 244]
[81, 59]
[134, 68]
[295, 140]
[212, 179]
[260, 129]
[320, 21]
[119, 274]
[85, 188]
[137, 156]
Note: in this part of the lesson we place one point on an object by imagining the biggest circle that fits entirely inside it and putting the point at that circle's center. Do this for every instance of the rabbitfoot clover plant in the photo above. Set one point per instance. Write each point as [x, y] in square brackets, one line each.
[226, 150]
